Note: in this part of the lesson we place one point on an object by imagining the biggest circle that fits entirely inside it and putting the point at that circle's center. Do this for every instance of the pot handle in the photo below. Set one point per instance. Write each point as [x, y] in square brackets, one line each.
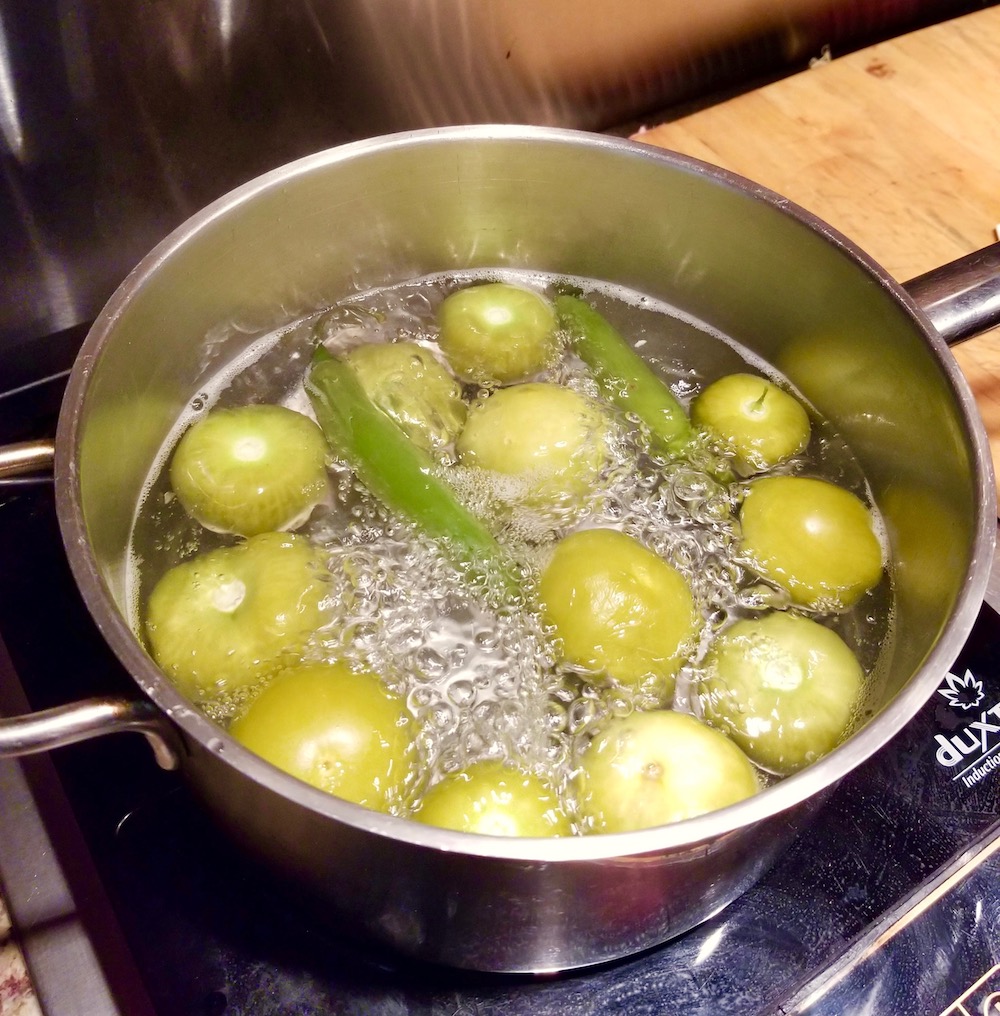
[80, 721]
[26, 457]
[94, 717]
[961, 298]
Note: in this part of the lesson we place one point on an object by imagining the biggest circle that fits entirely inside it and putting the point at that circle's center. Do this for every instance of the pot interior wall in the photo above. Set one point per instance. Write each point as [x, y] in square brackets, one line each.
[380, 212]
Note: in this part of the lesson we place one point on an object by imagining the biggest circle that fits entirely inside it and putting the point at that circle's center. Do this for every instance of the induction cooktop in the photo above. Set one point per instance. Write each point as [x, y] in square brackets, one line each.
[127, 900]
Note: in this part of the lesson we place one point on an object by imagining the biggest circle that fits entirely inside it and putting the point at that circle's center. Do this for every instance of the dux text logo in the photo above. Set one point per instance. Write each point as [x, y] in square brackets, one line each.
[974, 750]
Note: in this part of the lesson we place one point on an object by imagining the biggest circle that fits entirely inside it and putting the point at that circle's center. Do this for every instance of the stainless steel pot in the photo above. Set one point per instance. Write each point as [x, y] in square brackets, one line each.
[727, 251]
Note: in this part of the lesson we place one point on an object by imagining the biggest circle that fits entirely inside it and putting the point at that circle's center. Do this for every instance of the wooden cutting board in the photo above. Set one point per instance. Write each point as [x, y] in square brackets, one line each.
[896, 145]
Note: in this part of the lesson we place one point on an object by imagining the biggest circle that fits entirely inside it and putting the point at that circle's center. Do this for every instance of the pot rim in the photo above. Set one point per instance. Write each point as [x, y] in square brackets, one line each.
[692, 833]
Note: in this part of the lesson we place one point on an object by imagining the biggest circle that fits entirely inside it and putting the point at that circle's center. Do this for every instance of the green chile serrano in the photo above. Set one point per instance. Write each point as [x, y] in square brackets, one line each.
[623, 375]
[398, 472]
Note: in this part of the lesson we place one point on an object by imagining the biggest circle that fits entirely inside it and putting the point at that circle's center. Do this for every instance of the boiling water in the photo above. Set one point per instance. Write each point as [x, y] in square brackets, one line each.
[477, 670]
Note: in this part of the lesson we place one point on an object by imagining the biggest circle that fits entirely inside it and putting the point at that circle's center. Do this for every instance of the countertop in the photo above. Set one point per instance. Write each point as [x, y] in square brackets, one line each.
[896, 145]
[16, 995]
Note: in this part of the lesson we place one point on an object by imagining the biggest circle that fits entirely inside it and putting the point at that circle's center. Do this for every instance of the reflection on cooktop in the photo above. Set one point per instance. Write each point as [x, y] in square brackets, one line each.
[945, 935]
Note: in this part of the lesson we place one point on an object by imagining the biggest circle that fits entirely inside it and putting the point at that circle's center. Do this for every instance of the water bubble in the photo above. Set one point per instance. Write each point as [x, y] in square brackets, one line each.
[556, 719]
[583, 714]
[462, 692]
[440, 715]
[506, 684]
[483, 676]
[420, 699]
[431, 662]
[486, 640]
[474, 743]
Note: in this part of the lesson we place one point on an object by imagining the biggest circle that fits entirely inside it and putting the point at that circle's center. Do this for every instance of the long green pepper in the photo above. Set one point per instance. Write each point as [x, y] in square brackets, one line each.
[623, 376]
[395, 470]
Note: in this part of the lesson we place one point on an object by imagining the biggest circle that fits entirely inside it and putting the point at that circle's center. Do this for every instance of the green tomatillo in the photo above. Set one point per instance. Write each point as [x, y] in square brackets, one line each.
[812, 538]
[757, 422]
[653, 768]
[250, 469]
[495, 333]
[618, 609]
[337, 729]
[229, 617]
[784, 688]
[494, 799]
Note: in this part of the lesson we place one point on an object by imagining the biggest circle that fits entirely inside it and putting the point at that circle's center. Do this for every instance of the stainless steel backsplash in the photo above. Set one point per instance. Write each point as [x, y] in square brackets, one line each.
[119, 118]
